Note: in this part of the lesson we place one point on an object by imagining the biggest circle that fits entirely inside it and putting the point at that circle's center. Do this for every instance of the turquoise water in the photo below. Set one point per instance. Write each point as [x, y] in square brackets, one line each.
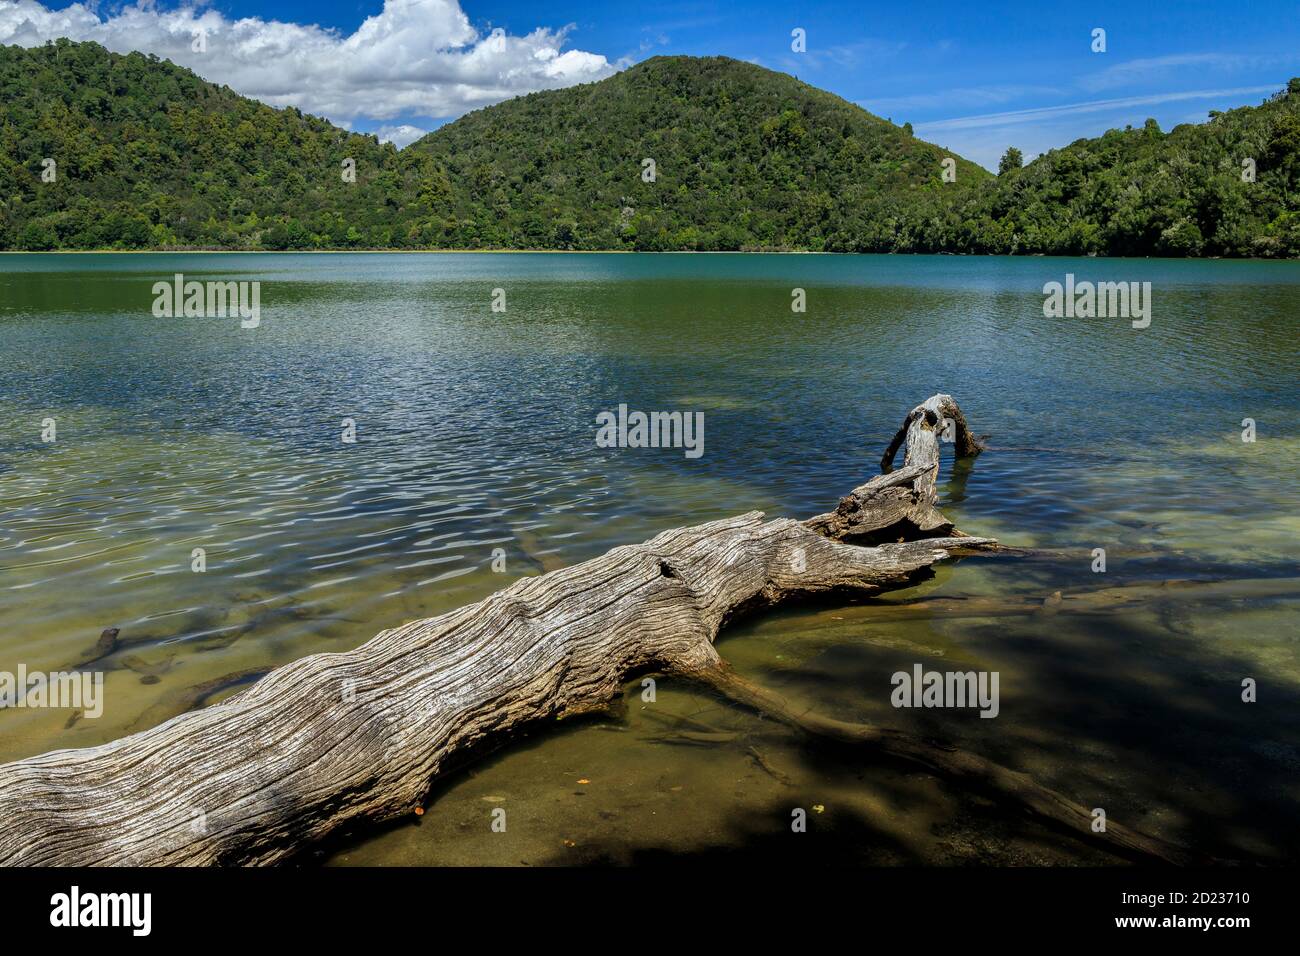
[475, 431]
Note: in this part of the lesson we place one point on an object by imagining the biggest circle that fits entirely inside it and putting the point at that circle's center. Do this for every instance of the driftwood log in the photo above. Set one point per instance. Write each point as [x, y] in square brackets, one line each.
[342, 738]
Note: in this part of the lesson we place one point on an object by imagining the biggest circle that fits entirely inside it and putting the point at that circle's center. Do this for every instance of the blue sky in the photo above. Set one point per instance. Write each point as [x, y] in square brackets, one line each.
[974, 77]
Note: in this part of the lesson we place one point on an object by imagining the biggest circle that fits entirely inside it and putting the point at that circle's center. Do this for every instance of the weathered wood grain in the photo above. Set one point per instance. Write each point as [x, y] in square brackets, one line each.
[361, 735]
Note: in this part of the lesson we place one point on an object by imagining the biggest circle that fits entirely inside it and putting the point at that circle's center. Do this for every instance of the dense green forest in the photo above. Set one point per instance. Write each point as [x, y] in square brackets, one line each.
[744, 157]
[147, 155]
[1144, 192]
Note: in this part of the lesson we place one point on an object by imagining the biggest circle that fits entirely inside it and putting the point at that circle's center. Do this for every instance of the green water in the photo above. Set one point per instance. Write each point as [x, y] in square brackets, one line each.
[475, 431]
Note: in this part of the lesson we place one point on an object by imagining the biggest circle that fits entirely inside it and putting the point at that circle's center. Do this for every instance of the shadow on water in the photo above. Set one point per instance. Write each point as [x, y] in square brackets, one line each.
[1114, 710]
[475, 431]
[1102, 708]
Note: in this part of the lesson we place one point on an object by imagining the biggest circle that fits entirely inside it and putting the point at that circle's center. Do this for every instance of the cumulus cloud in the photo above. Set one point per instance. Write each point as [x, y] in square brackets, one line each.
[400, 136]
[415, 58]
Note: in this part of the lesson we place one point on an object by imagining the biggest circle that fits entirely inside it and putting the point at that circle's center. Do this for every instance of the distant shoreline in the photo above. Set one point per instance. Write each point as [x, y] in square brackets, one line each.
[617, 252]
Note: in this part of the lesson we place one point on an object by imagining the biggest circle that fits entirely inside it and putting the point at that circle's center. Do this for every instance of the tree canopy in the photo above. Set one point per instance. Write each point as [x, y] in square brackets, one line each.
[101, 150]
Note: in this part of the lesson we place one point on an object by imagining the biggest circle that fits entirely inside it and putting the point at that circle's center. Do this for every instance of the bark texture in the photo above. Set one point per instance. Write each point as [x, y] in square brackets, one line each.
[335, 738]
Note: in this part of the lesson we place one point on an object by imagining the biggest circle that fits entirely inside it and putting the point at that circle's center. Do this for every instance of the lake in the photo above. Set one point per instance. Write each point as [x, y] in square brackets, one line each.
[474, 438]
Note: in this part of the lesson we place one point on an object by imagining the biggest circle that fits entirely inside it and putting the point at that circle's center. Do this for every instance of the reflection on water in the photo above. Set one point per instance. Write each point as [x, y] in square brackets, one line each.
[475, 432]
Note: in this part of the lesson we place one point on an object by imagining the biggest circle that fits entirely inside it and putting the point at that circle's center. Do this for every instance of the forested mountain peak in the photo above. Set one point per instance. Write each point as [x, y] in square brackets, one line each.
[684, 153]
[104, 150]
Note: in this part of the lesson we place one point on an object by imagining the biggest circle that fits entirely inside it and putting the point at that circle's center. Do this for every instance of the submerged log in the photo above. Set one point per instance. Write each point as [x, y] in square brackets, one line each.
[340, 738]
[968, 769]
[1124, 598]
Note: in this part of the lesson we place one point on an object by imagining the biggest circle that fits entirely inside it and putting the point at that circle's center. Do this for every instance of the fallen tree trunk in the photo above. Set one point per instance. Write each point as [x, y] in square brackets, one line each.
[900, 505]
[336, 738]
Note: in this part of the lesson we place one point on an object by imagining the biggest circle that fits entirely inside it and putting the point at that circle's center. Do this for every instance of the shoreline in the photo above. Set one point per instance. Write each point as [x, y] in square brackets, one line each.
[618, 252]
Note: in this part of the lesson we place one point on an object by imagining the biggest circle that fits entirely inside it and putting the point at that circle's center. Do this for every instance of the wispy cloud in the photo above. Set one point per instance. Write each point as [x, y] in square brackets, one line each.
[973, 96]
[844, 56]
[1149, 69]
[1044, 113]
[650, 39]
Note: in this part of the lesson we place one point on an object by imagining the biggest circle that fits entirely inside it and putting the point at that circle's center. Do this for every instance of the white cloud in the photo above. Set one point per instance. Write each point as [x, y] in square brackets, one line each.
[984, 138]
[961, 96]
[400, 136]
[415, 58]
[1156, 67]
[1039, 114]
[844, 56]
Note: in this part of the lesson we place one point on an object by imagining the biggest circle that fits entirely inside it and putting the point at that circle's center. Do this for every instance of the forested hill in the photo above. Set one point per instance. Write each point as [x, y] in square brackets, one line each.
[743, 157]
[147, 155]
[1144, 192]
